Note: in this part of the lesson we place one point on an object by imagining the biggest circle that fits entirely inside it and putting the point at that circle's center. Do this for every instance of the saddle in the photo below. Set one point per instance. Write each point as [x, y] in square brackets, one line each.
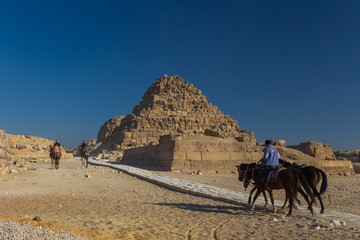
[274, 174]
[56, 149]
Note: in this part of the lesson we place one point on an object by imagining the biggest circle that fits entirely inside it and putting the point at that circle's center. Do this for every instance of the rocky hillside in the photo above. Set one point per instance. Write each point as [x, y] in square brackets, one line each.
[5, 157]
[316, 150]
[352, 155]
[170, 105]
[26, 147]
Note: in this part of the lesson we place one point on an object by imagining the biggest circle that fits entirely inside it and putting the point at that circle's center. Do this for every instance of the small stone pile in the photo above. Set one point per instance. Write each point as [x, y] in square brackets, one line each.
[170, 105]
[22, 230]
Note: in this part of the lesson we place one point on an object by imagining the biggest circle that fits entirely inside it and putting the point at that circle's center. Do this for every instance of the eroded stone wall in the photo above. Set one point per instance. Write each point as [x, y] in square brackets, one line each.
[197, 152]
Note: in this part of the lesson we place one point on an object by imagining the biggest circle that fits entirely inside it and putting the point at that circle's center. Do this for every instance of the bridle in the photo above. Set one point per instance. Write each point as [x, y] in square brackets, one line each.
[242, 173]
[246, 179]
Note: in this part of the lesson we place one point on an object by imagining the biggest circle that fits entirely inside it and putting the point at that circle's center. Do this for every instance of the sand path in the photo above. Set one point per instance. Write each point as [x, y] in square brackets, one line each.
[103, 203]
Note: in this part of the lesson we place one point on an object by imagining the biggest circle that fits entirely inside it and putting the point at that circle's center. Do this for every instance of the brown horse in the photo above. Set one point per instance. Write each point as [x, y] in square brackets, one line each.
[55, 155]
[84, 158]
[313, 176]
[242, 168]
[287, 180]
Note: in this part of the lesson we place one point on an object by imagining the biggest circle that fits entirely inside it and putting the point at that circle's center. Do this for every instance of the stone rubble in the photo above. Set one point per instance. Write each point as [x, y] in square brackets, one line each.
[20, 230]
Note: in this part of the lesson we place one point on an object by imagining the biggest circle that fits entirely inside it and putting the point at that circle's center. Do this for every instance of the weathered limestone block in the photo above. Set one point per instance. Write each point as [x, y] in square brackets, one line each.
[179, 155]
[193, 156]
[240, 156]
[214, 165]
[178, 165]
[184, 146]
[240, 147]
[215, 156]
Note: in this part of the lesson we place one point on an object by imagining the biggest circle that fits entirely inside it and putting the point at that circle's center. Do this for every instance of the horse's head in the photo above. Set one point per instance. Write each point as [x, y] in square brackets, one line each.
[241, 170]
[248, 176]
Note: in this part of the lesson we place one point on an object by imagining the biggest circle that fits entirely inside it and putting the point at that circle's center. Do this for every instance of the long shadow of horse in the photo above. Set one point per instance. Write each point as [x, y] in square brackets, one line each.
[204, 207]
[242, 209]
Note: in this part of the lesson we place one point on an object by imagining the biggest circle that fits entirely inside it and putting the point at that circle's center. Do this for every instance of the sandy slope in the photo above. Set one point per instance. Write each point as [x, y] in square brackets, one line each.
[112, 205]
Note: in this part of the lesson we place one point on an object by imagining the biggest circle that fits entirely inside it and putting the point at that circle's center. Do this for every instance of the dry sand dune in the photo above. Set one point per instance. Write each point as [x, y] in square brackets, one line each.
[101, 203]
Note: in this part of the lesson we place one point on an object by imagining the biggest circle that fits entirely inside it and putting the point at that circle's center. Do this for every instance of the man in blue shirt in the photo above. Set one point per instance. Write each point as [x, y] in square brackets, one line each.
[271, 155]
[269, 161]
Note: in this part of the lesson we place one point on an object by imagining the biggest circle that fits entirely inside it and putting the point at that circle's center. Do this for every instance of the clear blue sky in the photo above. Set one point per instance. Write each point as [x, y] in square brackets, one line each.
[283, 69]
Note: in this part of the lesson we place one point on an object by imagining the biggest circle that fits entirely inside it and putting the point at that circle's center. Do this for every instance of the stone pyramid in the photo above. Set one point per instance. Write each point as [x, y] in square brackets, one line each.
[170, 105]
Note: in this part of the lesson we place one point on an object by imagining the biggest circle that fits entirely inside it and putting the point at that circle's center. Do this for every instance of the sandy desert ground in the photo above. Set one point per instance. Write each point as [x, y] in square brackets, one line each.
[101, 203]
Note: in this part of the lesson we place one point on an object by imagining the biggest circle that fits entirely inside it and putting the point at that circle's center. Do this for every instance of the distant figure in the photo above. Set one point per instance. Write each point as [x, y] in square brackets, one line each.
[83, 147]
[55, 154]
[84, 154]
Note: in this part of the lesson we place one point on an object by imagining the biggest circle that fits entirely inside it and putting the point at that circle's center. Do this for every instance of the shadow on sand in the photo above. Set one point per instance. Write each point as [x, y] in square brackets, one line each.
[205, 208]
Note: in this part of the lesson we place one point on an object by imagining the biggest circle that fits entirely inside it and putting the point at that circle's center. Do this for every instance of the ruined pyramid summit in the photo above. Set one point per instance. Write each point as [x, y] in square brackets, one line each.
[170, 105]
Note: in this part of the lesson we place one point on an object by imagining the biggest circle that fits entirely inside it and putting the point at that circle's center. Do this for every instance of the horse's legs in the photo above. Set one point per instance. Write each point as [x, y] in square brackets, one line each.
[52, 163]
[284, 205]
[251, 192]
[57, 163]
[82, 162]
[291, 200]
[272, 200]
[86, 162]
[266, 201]
[301, 191]
[255, 197]
[317, 194]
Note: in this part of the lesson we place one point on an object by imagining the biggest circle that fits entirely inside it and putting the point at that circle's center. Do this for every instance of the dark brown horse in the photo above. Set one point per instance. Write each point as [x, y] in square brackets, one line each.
[313, 176]
[287, 180]
[55, 155]
[84, 154]
[242, 168]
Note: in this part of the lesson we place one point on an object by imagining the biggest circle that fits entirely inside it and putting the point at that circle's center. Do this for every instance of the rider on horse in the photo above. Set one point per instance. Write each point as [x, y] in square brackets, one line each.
[83, 147]
[56, 147]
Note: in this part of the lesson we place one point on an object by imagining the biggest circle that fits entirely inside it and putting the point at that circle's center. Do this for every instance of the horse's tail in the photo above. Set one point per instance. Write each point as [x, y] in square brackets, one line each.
[323, 182]
[295, 188]
[306, 186]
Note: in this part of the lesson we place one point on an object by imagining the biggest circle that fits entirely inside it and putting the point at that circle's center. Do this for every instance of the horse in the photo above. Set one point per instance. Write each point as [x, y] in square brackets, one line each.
[84, 154]
[55, 155]
[242, 168]
[313, 176]
[287, 180]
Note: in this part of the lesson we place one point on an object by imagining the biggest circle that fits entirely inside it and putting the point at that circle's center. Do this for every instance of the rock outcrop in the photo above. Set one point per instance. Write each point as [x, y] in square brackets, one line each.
[352, 155]
[170, 105]
[26, 147]
[5, 156]
[316, 149]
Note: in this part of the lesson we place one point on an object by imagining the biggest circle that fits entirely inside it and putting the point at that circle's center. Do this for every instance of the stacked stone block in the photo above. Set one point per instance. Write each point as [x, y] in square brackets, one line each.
[199, 152]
